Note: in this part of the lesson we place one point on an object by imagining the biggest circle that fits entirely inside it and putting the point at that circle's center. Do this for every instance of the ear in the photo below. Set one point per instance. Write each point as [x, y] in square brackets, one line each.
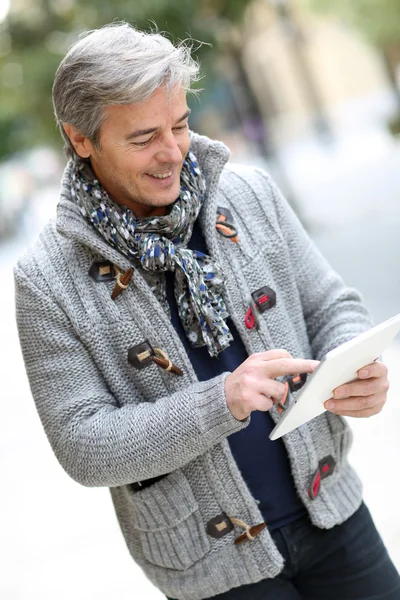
[83, 146]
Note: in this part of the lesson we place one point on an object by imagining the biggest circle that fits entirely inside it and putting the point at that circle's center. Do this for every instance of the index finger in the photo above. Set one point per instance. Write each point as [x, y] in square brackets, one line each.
[290, 366]
[274, 354]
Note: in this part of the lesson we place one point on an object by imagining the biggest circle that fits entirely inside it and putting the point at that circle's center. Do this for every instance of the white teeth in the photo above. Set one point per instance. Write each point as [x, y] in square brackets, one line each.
[162, 175]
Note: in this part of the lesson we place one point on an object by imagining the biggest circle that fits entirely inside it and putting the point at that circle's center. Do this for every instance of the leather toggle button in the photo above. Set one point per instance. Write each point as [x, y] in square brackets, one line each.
[296, 382]
[225, 212]
[102, 270]
[161, 359]
[141, 356]
[219, 526]
[123, 280]
[225, 224]
[293, 383]
[264, 298]
[144, 354]
[251, 533]
[326, 466]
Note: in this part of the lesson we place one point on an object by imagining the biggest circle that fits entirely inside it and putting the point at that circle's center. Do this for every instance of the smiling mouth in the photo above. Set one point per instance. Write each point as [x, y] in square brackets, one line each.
[160, 175]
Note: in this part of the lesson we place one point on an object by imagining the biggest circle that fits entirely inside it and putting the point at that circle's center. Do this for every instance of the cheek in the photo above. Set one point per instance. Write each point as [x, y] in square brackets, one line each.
[184, 145]
[133, 164]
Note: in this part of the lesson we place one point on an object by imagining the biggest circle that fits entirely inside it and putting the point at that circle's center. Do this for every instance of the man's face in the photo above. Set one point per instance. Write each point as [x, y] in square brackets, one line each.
[143, 147]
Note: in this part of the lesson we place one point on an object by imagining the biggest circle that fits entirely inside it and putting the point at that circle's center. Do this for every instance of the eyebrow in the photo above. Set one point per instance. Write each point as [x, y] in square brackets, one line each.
[140, 132]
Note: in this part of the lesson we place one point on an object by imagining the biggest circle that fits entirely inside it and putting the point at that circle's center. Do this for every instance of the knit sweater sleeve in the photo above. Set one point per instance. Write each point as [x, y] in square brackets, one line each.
[98, 442]
[333, 312]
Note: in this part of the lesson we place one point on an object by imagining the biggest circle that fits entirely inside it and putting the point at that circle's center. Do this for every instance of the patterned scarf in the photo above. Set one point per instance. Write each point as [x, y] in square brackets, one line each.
[159, 243]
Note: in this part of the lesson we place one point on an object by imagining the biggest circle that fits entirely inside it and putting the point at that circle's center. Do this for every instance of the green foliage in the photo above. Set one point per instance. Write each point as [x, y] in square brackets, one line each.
[379, 20]
[39, 36]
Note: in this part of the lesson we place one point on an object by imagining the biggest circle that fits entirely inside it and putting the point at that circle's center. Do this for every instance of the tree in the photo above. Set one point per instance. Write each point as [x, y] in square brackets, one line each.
[379, 21]
[33, 41]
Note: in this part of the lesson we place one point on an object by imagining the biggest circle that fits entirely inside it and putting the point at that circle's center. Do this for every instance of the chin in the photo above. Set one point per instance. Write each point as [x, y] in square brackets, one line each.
[170, 197]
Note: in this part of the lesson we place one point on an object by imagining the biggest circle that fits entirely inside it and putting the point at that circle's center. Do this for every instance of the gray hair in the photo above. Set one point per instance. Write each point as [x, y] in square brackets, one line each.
[116, 64]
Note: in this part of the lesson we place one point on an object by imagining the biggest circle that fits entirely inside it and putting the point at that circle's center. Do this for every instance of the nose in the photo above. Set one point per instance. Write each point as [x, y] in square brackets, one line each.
[170, 151]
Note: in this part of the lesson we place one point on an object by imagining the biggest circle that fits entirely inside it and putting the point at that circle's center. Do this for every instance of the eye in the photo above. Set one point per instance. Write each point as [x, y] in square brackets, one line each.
[182, 128]
[142, 143]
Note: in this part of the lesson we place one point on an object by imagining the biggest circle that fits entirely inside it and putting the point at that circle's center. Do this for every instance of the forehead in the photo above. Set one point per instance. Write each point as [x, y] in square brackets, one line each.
[161, 106]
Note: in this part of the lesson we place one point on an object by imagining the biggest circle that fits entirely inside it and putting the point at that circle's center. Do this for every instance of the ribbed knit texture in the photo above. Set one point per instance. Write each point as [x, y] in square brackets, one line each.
[110, 424]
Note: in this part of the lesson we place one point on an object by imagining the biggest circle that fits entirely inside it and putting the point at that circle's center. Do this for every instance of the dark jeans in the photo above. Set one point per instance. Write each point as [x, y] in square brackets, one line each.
[348, 562]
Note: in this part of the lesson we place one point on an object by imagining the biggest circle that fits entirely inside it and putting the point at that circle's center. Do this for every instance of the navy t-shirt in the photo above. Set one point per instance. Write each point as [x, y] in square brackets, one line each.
[264, 464]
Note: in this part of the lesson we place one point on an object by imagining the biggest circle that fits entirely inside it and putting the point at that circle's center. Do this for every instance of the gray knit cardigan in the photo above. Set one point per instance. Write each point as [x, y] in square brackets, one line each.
[110, 424]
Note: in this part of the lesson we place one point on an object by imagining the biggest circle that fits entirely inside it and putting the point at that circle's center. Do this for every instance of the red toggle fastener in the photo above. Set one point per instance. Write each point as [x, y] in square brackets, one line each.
[249, 319]
[326, 466]
[263, 299]
[315, 485]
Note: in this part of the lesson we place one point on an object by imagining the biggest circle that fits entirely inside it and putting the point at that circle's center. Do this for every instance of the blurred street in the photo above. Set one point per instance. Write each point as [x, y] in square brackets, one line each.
[60, 540]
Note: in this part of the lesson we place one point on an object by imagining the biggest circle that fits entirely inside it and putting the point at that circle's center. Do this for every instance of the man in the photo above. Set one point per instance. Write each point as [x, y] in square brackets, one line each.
[152, 315]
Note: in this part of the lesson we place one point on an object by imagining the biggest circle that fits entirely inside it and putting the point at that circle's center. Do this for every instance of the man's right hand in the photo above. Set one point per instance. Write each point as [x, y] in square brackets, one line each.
[252, 385]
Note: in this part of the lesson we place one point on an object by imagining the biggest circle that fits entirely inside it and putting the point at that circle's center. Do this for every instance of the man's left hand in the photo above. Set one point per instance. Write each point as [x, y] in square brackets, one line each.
[364, 397]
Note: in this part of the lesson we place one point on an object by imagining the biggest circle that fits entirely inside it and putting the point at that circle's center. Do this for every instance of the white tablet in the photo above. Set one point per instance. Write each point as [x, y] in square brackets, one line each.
[339, 366]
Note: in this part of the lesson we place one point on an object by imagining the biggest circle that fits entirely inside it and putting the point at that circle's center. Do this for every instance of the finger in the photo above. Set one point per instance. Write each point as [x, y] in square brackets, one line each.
[289, 366]
[357, 388]
[262, 403]
[376, 369]
[354, 404]
[360, 414]
[274, 389]
[274, 354]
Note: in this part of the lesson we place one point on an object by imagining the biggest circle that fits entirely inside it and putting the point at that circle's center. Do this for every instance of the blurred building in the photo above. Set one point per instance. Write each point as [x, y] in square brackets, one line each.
[302, 65]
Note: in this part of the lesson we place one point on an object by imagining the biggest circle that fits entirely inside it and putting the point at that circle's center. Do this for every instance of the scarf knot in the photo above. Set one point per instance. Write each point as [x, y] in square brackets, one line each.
[160, 244]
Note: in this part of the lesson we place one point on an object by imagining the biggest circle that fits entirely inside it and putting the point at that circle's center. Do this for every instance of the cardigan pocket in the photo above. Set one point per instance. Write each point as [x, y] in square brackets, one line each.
[169, 525]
